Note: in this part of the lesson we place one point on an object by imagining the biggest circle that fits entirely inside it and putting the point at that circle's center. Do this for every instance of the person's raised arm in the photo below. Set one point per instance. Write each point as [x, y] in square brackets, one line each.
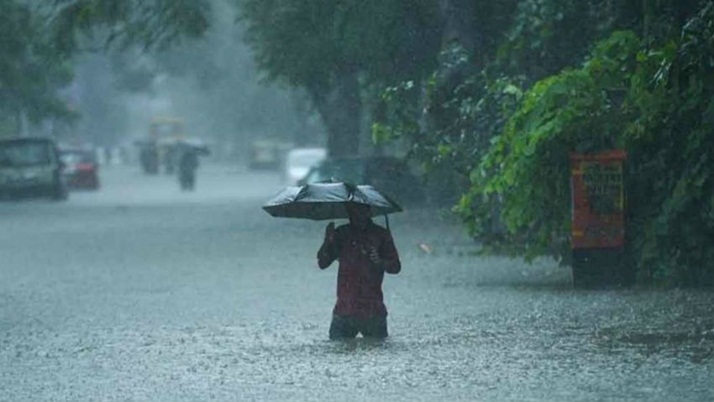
[328, 251]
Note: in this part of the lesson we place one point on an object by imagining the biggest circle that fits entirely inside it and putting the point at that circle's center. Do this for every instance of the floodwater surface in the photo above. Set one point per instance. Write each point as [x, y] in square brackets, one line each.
[140, 291]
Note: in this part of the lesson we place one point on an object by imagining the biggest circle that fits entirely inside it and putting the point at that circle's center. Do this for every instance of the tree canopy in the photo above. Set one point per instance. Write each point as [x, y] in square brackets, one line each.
[153, 23]
[489, 96]
[337, 50]
[571, 76]
[30, 71]
[38, 41]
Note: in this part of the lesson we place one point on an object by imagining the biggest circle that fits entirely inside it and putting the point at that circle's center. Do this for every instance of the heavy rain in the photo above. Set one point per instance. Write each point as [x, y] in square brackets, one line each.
[174, 175]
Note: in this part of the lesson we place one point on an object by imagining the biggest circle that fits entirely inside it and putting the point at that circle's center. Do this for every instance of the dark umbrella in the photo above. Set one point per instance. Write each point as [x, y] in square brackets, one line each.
[324, 201]
[194, 146]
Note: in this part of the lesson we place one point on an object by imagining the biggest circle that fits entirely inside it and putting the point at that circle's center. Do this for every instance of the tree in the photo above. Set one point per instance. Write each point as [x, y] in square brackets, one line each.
[38, 41]
[448, 119]
[30, 72]
[124, 23]
[564, 76]
[228, 100]
[337, 50]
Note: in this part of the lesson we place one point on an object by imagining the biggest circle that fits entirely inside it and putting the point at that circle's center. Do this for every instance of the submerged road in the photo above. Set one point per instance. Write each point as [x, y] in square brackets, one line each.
[142, 292]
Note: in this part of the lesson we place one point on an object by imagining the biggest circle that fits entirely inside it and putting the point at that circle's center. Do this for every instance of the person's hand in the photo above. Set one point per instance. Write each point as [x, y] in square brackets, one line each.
[330, 232]
[373, 255]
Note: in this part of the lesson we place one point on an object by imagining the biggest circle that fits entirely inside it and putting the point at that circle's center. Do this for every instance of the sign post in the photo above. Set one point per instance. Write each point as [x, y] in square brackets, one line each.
[598, 218]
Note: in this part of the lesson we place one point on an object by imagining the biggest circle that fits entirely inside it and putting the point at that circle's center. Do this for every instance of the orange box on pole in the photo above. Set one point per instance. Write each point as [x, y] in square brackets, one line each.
[598, 200]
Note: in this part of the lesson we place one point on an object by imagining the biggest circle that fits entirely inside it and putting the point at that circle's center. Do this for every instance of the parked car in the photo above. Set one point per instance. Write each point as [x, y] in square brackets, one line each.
[389, 175]
[31, 166]
[299, 161]
[81, 168]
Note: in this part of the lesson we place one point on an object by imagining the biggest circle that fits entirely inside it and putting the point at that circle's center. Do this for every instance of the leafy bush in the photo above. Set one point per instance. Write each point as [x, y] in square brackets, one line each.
[671, 181]
[506, 127]
[657, 105]
[527, 166]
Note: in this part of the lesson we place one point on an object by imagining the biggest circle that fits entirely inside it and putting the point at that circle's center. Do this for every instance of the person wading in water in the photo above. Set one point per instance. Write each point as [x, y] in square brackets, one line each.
[365, 252]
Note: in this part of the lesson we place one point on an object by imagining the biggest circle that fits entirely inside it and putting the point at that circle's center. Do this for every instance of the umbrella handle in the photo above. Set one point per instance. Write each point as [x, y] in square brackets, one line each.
[386, 220]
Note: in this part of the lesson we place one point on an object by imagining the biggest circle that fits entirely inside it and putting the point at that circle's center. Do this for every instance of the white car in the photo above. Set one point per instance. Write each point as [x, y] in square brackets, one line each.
[299, 161]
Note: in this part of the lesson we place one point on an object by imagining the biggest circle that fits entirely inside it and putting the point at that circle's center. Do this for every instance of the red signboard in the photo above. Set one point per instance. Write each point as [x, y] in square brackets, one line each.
[597, 200]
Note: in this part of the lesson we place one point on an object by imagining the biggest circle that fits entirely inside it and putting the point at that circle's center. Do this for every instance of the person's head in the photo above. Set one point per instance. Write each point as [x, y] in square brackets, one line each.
[360, 214]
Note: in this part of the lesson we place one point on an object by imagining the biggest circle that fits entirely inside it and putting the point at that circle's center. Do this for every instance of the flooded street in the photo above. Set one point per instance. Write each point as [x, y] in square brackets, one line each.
[142, 292]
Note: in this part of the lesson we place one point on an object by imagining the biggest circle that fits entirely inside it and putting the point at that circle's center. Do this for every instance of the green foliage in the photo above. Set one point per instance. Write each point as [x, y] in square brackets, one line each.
[398, 113]
[672, 143]
[340, 51]
[308, 44]
[458, 123]
[527, 167]
[507, 122]
[38, 39]
[549, 35]
[656, 104]
[30, 71]
[124, 23]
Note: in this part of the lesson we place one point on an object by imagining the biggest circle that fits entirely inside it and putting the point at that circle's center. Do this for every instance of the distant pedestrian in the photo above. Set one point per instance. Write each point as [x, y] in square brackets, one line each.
[188, 163]
[365, 252]
[149, 157]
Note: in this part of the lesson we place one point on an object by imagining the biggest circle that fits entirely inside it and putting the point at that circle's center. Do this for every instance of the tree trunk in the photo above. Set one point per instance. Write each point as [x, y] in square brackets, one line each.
[341, 111]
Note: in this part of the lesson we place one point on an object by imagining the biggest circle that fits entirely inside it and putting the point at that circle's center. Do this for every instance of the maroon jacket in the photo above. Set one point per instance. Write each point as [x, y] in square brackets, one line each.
[359, 281]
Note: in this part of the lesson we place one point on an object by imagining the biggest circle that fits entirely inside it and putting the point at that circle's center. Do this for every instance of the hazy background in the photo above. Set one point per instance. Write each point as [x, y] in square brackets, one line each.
[210, 83]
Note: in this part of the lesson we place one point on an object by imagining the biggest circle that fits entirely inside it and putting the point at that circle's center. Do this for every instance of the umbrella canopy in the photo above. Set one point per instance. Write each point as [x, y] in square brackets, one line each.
[194, 145]
[323, 201]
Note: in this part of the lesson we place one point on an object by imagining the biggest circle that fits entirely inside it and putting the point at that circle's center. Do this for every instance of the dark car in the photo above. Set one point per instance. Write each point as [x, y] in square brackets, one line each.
[81, 169]
[31, 166]
[389, 175]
